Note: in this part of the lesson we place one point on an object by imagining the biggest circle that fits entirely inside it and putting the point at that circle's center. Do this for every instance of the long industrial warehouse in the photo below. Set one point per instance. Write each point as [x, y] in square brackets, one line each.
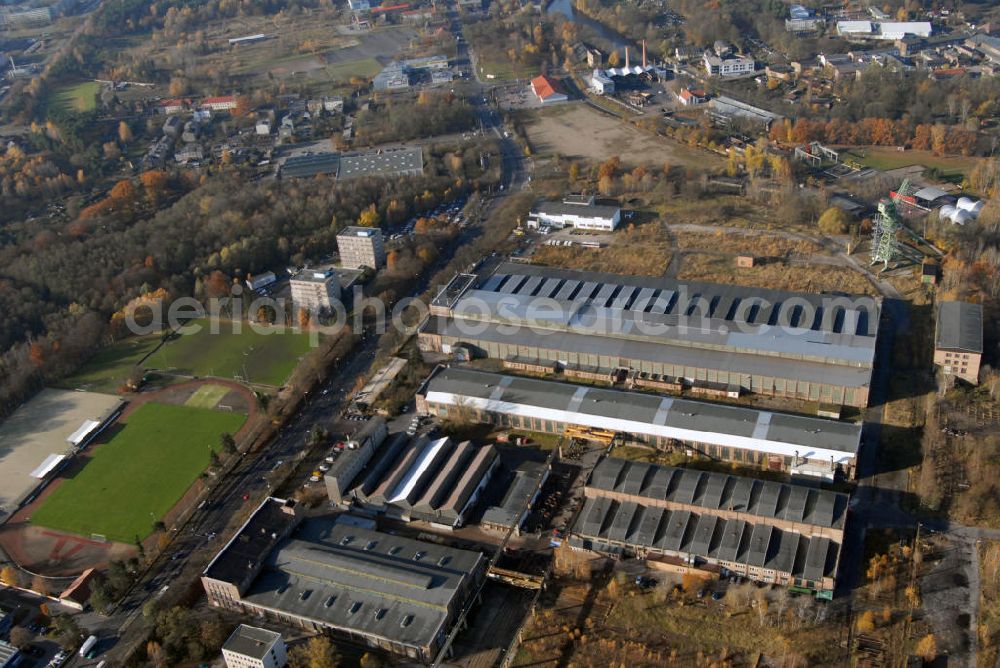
[767, 531]
[769, 342]
[799, 445]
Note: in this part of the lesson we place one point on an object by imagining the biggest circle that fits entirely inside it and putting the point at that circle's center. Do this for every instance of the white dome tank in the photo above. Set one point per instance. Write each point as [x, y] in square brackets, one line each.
[965, 203]
[976, 209]
[961, 217]
[947, 211]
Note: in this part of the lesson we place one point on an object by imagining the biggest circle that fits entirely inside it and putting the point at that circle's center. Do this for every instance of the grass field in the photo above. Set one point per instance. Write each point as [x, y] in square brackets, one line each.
[80, 97]
[952, 167]
[267, 359]
[108, 369]
[135, 478]
[366, 67]
[207, 396]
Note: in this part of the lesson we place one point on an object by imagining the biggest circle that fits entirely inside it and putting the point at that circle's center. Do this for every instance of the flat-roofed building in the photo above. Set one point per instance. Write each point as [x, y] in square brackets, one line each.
[377, 589]
[251, 647]
[818, 347]
[958, 340]
[729, 65]
[808, 446]
[570, 212]
[315, 289]
[361, 247]
[359, 448]
[770, 532]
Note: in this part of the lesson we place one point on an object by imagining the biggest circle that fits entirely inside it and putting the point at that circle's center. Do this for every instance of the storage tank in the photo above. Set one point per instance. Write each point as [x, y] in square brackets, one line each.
[961, 217]
[965, 203]
[976, 209]
[946, 212]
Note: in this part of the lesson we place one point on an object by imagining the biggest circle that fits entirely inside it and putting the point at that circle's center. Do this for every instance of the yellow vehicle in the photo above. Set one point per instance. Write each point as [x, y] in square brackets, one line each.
[603, 436]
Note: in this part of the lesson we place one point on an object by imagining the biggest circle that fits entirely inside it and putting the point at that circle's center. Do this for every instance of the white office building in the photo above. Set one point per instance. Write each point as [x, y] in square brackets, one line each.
[579, 212]
[729, 65]
[251, 647]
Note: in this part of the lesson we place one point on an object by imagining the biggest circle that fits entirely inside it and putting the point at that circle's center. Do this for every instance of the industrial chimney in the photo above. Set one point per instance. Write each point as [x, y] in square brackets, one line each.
[626, 57]
[643, 54]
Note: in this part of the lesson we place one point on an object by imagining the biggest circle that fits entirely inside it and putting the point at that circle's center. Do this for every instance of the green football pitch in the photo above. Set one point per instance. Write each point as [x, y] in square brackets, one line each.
[136, 478]
[266, 357]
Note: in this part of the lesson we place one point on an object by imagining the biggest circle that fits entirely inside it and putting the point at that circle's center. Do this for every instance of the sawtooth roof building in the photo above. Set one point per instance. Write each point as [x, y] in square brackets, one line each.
[809, 446]
[377, 589]
[435, 480]
[767, 531]
[817, 347]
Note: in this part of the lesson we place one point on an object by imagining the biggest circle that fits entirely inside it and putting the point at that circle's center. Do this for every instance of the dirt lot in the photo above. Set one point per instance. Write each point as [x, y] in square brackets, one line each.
[639, 250]
[777, 274]
[578, 131]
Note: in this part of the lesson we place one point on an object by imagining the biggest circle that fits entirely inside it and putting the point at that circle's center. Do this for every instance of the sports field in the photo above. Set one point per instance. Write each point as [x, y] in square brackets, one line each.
[249, 356]
[81, 97]
[133, 480]
[111, 367]
[260, 358]
[951, 167]
[207, 396]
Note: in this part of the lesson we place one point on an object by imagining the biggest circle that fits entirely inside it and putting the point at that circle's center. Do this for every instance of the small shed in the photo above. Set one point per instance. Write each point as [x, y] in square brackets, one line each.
[929, 273]
[745, 261]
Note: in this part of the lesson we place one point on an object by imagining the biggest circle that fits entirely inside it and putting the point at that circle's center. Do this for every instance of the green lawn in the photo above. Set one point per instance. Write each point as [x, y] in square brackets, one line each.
[80, 97]
[135, 478]
[366, 68]
[952, 167]
[110, 368]
[262, 358]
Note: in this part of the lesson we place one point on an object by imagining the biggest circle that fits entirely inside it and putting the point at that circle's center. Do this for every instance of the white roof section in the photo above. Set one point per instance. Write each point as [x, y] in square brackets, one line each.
[81, 434]
[47, 466]
[639, 413]
[898, 29]
[424, 462]
[844, 27]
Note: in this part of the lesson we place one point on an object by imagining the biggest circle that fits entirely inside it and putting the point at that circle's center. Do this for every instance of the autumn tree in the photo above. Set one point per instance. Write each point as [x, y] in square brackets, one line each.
[834, 221]
[123, 192]
[927, 648]
[369, 660]
[866, 622]
[317, 652]
[154, 182]
[21, 637]
[369, 217]
[10, 576]
[124, 132]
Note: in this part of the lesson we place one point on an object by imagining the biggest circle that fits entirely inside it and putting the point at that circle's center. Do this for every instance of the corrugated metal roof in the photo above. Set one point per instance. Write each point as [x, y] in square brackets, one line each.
[720, 492]
[706, 536]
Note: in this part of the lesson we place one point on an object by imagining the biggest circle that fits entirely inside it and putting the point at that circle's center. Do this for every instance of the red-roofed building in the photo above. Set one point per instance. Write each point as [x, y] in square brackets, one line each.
[690, 96]
[174, 106]
[222, 103]
[547, 90]
[78, 593]
[947, 73]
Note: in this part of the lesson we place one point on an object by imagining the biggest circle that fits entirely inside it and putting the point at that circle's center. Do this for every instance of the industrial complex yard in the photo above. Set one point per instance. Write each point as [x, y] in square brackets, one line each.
[671, 334]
